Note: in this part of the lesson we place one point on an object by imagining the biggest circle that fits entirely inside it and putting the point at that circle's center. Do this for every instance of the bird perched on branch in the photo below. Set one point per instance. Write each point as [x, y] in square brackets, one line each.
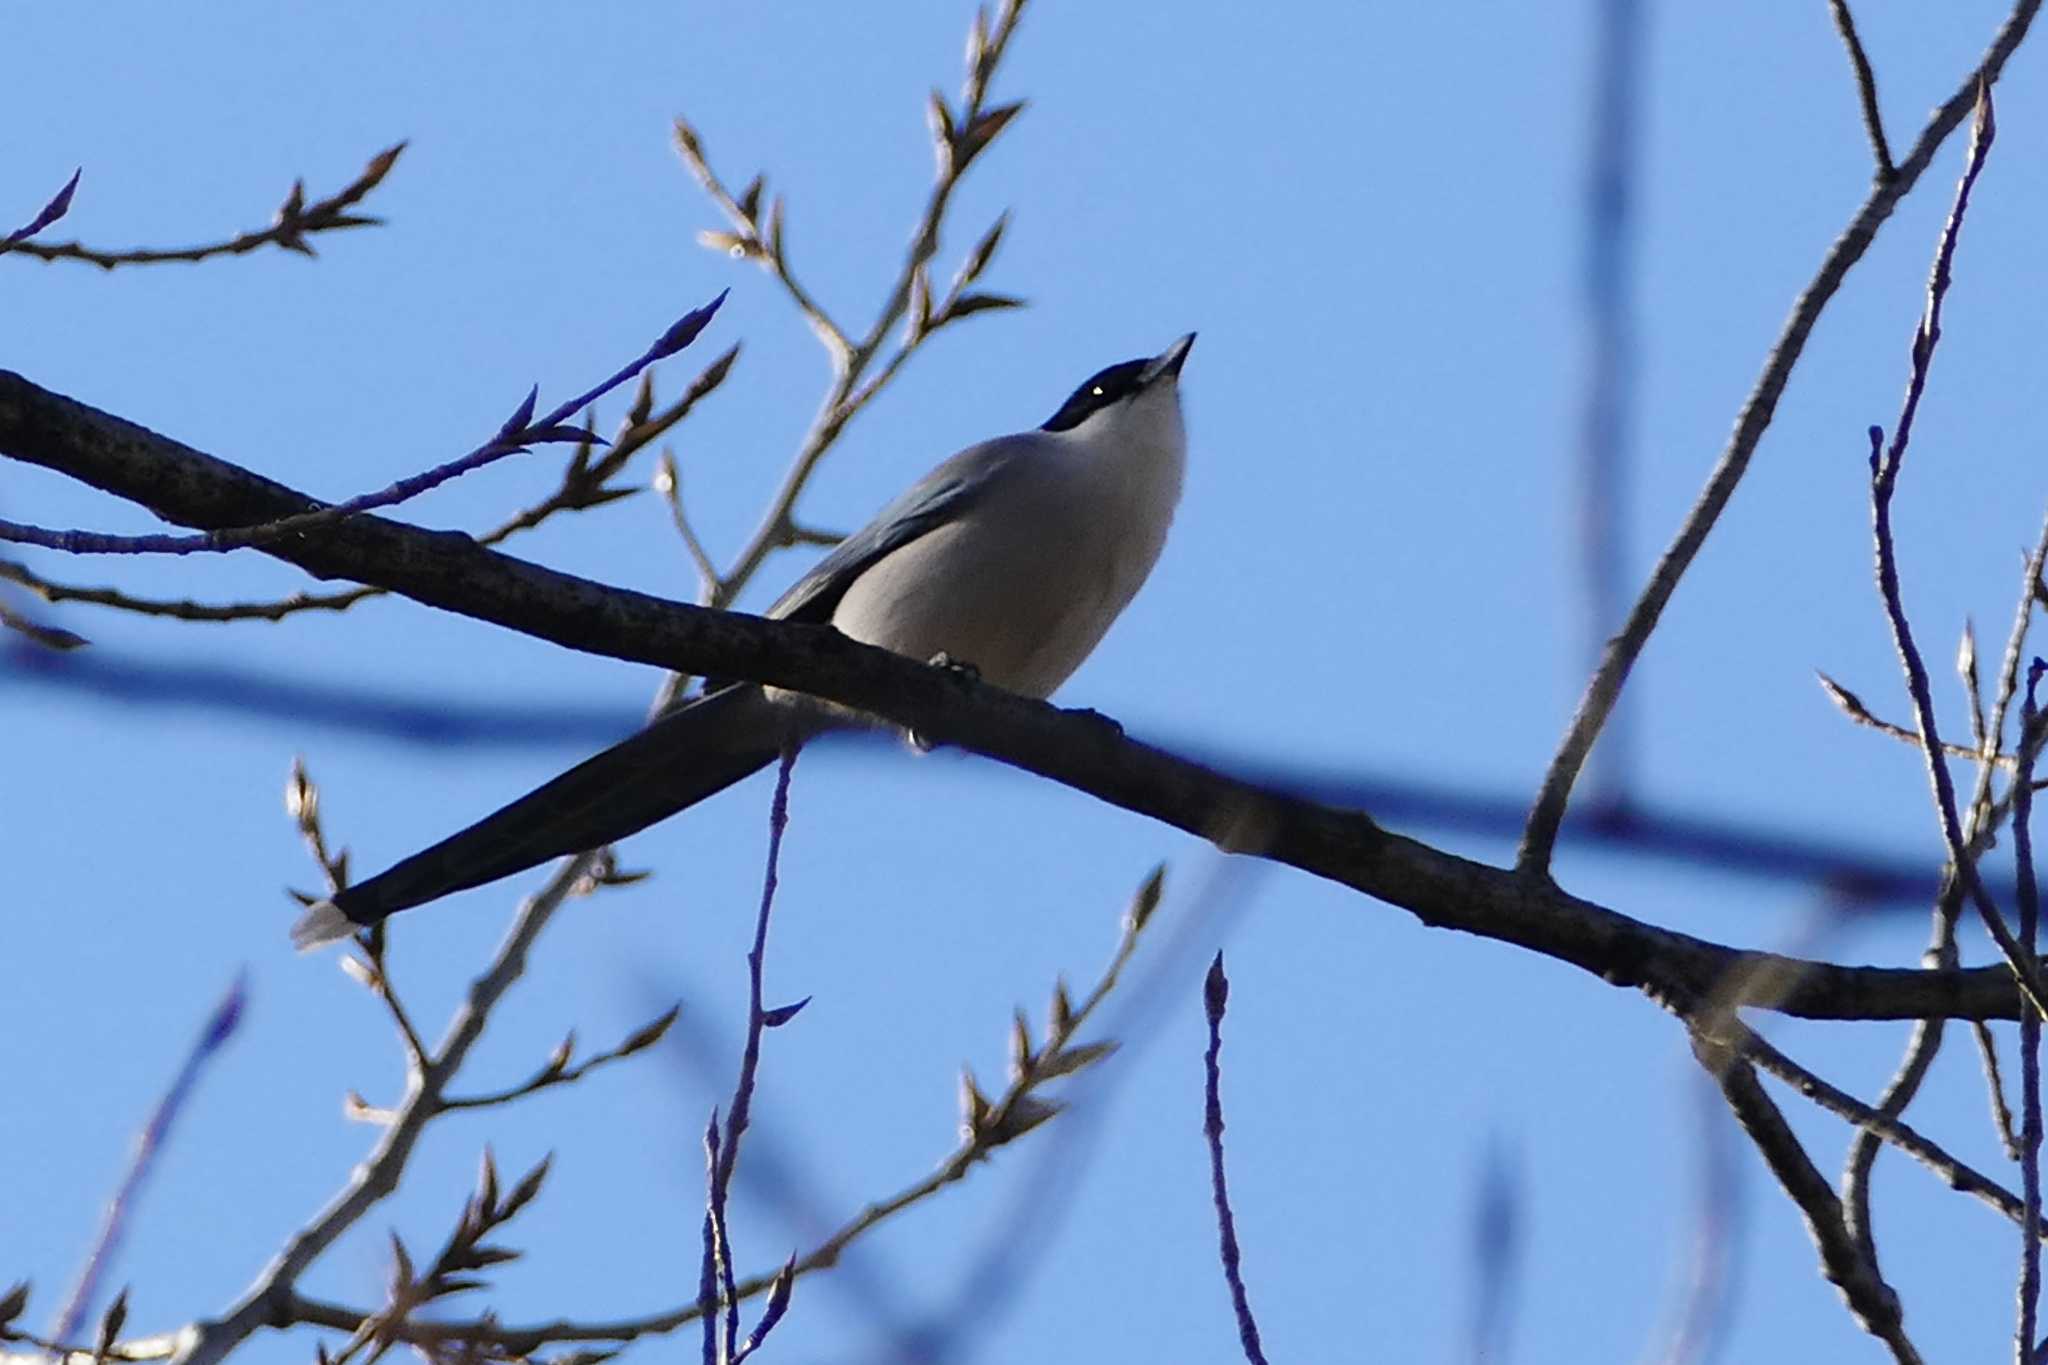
[1013, 557]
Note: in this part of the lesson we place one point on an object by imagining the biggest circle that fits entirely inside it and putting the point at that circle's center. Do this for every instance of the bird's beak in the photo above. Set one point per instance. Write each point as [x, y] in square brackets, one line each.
[1168, 361]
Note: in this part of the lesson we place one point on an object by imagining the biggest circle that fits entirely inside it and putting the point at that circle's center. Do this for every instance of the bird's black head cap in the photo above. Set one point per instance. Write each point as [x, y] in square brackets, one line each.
[1111, 386]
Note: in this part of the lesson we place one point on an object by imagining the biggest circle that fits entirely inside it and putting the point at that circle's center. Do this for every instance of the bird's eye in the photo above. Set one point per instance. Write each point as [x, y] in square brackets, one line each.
[1096, 391]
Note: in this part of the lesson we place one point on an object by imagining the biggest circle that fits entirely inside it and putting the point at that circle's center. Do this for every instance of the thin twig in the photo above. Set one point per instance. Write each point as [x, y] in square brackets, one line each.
[1547, 813]
[1985, 818]
[1215, 998]
[106, 1248]
[585, 484]
[1986, 814]
[1973, 689]
[266, 1302]
[296, 220]
[714, 1270]
[1885, 465]
[849, 395]
[1729, 1032]
[1000, 1120]
[722, 1156]
[1900, 1091]
[1853, 708]
[519, 432]
[1866, 89]
[1871, 1301]
[373, 973]
[558, 1069]
[668, 483]
[1981, 804]
[768, 249]
[1994, 1086]
[59, 204]
[49, 637]
[2030, 1026]
[302, 804]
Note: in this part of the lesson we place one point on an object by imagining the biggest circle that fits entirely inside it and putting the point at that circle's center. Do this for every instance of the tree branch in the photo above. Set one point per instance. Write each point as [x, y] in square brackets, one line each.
[269, 1300]
[1547, 815]
[294, 222]
[1080, 750]
[1866, 89]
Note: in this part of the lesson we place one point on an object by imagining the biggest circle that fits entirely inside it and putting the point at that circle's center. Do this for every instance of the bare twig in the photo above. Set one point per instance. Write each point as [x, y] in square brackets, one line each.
[722, 1152]
[1215, 998]
[183, 609]
[1872, 1301]
[219, 1027]
[960, 140]
[59, 204]
[372, 972]
[1547, 813]
[714, 1275]
[1973, 688]
[559, 1070]
[1885, 465]
[848, 394]
[989, 1123]
[585, 484]
[2030, 1025]
[1985, 817]
[1994, 1086]
[455, 1269]
[49, 637]
[1986, 814]
[749, 241]
[519, 431]
[668, 483]
[1981, 803]
[302, 803]
[1866, 89]
[1852, 706]
[1729, 1032]
[268, 1301]
[296, 220]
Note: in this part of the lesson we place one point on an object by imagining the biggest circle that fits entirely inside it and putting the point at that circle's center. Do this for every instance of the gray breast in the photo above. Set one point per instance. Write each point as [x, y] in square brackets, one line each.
[1024, 584]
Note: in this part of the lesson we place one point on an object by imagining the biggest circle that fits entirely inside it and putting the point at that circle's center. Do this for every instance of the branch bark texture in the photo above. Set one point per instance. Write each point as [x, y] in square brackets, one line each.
[1081, 750]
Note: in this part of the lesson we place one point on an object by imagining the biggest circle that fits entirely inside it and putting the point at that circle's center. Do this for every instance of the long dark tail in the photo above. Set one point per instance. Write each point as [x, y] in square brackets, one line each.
[687, 755]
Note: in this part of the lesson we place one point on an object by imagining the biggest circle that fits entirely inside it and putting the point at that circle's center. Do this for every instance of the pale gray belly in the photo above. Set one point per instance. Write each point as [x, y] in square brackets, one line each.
[1023, 605]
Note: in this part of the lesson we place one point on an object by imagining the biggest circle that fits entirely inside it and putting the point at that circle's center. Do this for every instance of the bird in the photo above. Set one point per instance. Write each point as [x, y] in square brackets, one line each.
[1012, 559]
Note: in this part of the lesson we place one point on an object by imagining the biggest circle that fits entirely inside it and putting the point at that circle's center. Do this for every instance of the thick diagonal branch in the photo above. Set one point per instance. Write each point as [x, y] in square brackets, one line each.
[1082, 751]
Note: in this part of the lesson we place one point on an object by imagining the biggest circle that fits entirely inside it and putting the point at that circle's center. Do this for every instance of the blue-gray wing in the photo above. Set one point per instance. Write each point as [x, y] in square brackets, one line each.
[939, 497]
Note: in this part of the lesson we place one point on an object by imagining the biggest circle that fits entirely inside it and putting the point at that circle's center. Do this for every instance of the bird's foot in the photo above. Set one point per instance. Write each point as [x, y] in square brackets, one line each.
[956, 668]
[959, 668]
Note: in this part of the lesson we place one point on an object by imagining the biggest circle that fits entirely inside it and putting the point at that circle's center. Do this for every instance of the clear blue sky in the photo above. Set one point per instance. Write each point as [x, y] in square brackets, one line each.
[1371, 214]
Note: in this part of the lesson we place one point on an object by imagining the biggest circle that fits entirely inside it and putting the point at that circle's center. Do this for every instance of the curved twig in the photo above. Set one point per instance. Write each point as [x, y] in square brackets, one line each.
[1539, 837]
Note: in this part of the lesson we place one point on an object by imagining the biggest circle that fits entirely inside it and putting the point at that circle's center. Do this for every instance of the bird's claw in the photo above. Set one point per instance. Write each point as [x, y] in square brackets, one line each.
[959, 668]
[956, 668]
